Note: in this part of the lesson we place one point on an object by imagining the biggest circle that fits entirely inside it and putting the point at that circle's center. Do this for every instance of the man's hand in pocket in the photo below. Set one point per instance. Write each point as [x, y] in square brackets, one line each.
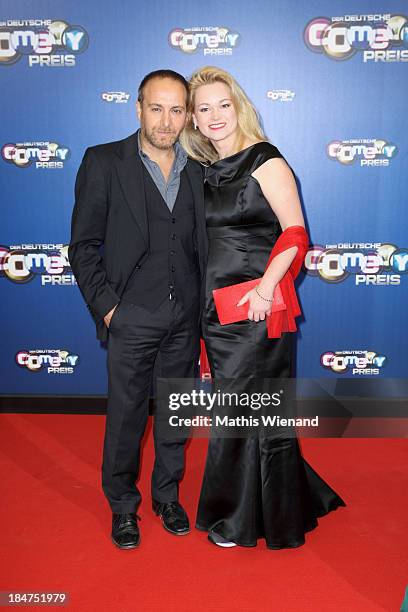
[107, 317]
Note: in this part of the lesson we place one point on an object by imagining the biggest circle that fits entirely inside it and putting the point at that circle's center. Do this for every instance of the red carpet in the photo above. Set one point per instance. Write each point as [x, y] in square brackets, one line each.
[56, 522]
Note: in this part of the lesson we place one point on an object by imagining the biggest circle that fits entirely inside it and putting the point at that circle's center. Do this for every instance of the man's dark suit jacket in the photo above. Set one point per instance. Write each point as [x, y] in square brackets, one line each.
[110, 230]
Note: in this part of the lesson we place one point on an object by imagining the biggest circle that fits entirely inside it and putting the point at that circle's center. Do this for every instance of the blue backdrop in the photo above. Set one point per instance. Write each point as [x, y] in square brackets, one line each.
[330, 88]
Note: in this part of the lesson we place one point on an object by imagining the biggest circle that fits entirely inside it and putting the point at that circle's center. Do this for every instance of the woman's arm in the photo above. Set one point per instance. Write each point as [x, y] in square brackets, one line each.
[279, 188]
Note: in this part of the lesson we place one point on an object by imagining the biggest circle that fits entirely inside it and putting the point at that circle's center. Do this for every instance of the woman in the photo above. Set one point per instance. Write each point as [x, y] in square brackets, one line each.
[253, 487]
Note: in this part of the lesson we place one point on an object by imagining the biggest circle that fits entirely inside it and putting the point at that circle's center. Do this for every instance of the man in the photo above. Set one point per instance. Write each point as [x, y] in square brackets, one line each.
[138, 249]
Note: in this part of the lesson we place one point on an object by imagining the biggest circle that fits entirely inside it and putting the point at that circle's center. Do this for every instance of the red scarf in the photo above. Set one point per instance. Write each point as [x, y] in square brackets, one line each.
[284, 320]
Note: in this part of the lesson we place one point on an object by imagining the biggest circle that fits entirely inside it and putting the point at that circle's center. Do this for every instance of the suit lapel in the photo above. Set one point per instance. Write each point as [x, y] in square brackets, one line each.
[195, 176]
[130, 172]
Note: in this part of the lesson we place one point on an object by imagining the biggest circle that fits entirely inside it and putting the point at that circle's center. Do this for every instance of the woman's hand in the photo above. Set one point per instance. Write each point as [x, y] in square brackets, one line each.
[258, 308]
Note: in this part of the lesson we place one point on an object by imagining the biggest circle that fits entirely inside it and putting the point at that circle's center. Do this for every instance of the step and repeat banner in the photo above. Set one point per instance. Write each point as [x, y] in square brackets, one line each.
[330, 83]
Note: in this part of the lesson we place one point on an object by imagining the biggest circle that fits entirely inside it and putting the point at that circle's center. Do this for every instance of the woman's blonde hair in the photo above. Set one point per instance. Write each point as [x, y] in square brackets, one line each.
[198, 146]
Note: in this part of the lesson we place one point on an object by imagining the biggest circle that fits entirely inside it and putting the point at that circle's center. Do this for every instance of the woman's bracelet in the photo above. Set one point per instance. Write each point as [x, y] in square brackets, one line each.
[262, 297]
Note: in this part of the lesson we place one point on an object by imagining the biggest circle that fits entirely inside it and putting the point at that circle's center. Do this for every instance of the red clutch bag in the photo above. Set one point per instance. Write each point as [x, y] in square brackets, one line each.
[227, 298]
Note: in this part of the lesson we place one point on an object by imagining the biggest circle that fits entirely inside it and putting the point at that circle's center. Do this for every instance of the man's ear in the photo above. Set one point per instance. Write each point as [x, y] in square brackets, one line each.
[138, 109]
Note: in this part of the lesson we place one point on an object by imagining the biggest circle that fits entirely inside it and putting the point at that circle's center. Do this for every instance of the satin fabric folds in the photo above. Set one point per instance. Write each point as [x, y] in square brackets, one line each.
[253, 487]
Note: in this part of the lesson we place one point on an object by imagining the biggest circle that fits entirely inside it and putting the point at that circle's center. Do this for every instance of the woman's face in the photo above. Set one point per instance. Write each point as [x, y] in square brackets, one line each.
[214, 111]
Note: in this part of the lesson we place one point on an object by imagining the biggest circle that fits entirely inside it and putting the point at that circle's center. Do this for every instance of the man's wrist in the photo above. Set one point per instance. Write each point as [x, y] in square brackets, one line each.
[111, 311]
[106, 300]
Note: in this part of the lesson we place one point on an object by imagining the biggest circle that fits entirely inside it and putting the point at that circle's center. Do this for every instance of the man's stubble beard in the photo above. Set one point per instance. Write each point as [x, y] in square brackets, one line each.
[156, 142]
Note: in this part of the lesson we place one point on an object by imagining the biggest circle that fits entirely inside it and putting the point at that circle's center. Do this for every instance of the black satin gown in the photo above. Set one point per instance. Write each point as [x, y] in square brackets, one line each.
[253, 487]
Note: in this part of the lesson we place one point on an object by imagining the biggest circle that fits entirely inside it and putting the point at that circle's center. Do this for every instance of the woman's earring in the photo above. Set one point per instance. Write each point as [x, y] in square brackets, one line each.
[195, 125]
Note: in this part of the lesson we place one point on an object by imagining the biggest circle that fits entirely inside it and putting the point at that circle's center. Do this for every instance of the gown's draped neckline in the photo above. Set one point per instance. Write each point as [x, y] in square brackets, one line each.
[237, 165]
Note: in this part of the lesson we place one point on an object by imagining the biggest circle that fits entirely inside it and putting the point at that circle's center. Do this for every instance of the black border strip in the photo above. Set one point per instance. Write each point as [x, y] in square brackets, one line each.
[96, 404]
[53, 404]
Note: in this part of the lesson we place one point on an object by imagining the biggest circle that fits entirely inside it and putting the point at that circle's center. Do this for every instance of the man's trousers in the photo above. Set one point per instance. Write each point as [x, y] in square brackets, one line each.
[136, 337]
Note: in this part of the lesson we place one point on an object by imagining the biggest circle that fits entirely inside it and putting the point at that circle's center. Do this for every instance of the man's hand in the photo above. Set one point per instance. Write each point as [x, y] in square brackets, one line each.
[107, 317]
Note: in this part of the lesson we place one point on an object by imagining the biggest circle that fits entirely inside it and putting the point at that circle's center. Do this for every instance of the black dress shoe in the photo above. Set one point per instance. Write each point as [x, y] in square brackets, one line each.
[125, 531]
[173, 516]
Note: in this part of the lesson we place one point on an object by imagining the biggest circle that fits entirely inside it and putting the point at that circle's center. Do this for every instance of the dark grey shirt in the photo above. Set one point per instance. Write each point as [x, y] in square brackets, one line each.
[170, 189]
